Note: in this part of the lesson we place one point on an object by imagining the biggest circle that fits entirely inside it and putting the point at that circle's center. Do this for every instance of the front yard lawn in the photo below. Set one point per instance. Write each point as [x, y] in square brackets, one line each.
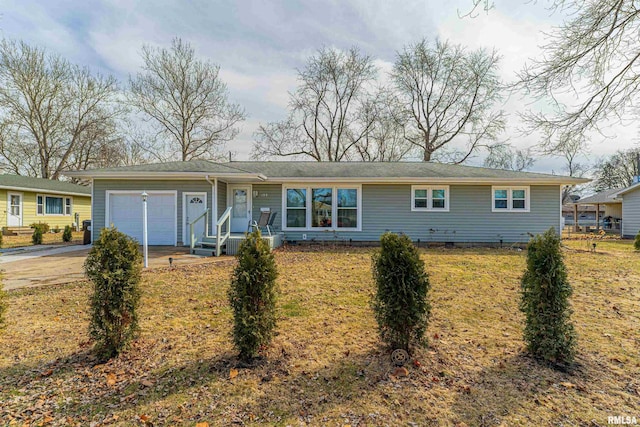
[326, 366]
[47, 239]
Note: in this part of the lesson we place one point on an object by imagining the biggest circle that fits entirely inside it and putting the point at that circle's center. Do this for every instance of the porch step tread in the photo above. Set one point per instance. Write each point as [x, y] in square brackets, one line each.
[204, 251]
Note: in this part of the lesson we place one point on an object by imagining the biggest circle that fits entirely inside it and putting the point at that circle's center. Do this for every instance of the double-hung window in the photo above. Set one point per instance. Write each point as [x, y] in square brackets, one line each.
[510, 199]
[296, 208]
[430, 198]
[322, 207]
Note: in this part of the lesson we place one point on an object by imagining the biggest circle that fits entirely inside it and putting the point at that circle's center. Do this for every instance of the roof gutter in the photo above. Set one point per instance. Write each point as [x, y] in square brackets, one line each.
[162, 175]
[45, 191]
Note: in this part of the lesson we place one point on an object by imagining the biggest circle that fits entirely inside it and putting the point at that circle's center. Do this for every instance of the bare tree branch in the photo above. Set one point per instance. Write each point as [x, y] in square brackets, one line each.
[186, 101]
[448, 95]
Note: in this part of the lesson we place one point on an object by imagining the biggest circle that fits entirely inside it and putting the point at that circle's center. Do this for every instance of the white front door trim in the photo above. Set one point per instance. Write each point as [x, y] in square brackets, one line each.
[139, 192]
[230, 189]
[186, 238]
[15, 220]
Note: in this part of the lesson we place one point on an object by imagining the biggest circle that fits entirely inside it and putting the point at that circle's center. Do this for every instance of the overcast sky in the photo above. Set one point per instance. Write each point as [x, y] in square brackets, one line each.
[259, 44]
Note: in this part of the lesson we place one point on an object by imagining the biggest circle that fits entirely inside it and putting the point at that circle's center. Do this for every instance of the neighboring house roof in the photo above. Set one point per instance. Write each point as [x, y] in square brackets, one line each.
[581, 208]
[603, 197]
[28, 183]
[622, 191]
[330, 171]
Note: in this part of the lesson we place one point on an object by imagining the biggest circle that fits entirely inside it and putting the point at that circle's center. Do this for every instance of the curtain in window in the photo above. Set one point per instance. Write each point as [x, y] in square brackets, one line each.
[54, 206]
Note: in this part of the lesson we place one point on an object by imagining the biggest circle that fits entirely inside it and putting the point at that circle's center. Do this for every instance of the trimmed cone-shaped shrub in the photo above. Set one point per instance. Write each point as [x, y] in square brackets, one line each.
[114, 265]
[66, 234]
[253, 296]
[36, 237]
[636, 243]
[400, 303]
[548, 332]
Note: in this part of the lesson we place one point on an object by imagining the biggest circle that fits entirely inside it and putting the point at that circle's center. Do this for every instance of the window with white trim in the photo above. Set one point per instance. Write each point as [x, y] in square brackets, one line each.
[296, 207]
[322, 207]
[54, 205]
[510, 199]
[430, 198]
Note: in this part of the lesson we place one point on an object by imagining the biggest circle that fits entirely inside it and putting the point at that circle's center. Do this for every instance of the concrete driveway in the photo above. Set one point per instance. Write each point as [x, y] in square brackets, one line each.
[29, 268]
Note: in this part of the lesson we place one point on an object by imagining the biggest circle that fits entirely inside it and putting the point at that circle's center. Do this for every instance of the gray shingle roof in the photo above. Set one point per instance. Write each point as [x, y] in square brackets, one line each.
[601, 197]
[47, 185]
[348, 170]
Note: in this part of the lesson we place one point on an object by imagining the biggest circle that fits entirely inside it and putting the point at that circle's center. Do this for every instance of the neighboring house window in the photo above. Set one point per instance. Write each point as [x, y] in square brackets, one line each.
[510, 199]
[324, 207]
[52, 205]
[430, 198]
[296, 207]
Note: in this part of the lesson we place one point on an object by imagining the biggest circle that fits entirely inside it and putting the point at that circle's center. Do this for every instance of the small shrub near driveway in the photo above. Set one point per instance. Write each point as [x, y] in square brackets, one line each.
[400, 303]
[636, 243]
[548, 333]
[253, 296]
[114, 266]
[67, 234]
[36, 237]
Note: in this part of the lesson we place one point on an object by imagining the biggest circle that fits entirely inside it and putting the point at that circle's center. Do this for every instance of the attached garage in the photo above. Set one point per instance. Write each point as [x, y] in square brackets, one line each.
[124, 211]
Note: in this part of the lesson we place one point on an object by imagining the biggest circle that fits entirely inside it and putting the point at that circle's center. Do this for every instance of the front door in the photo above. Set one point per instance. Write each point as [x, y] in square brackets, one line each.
[240, 201]
[195, 205]
[14, 211]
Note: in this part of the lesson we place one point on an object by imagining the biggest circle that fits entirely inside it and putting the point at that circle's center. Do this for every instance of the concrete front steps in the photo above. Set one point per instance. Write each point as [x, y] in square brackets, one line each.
[17, 231]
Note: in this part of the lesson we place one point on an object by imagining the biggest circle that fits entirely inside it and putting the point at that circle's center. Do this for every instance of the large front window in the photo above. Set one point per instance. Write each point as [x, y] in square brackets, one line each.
[52, 205]
[322, 207]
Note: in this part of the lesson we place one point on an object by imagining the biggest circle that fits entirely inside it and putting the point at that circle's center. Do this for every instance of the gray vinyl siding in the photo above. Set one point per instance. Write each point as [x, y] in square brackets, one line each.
[222, 206]
[469, 220]
[631, 213]
[222, 198]
[100, 186]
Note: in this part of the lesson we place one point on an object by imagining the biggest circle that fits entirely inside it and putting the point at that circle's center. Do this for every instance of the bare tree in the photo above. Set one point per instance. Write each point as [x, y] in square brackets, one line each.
[589, 73]
[385, 142]
[448, 95]
[618, 170]
[186, 101]
[47, 107]
[571, 151]
[332, 111]
[503, 156]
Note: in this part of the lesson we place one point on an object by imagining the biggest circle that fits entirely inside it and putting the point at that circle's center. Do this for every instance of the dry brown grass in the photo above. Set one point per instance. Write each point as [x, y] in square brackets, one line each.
[326, 366]
[47, 239]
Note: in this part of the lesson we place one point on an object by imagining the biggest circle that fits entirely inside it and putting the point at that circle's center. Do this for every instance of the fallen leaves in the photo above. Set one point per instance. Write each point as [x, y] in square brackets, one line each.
[111, 379]
[233, 373]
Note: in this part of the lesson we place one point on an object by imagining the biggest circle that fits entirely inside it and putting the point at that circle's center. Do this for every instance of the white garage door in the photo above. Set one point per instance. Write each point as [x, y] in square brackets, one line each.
[125, 212]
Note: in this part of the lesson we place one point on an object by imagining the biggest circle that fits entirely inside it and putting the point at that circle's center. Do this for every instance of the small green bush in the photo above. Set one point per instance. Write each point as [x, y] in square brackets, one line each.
[548, 332]
[636, 243]
[36, 237]
[1, 236]
[400, 303]
[67, 234]
[114, 266]
[42, 226]
[253, 296]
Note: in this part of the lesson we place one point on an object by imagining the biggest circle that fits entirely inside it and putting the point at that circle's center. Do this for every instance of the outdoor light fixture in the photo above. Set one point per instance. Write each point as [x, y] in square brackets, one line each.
[145, 245]
[170, 261]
